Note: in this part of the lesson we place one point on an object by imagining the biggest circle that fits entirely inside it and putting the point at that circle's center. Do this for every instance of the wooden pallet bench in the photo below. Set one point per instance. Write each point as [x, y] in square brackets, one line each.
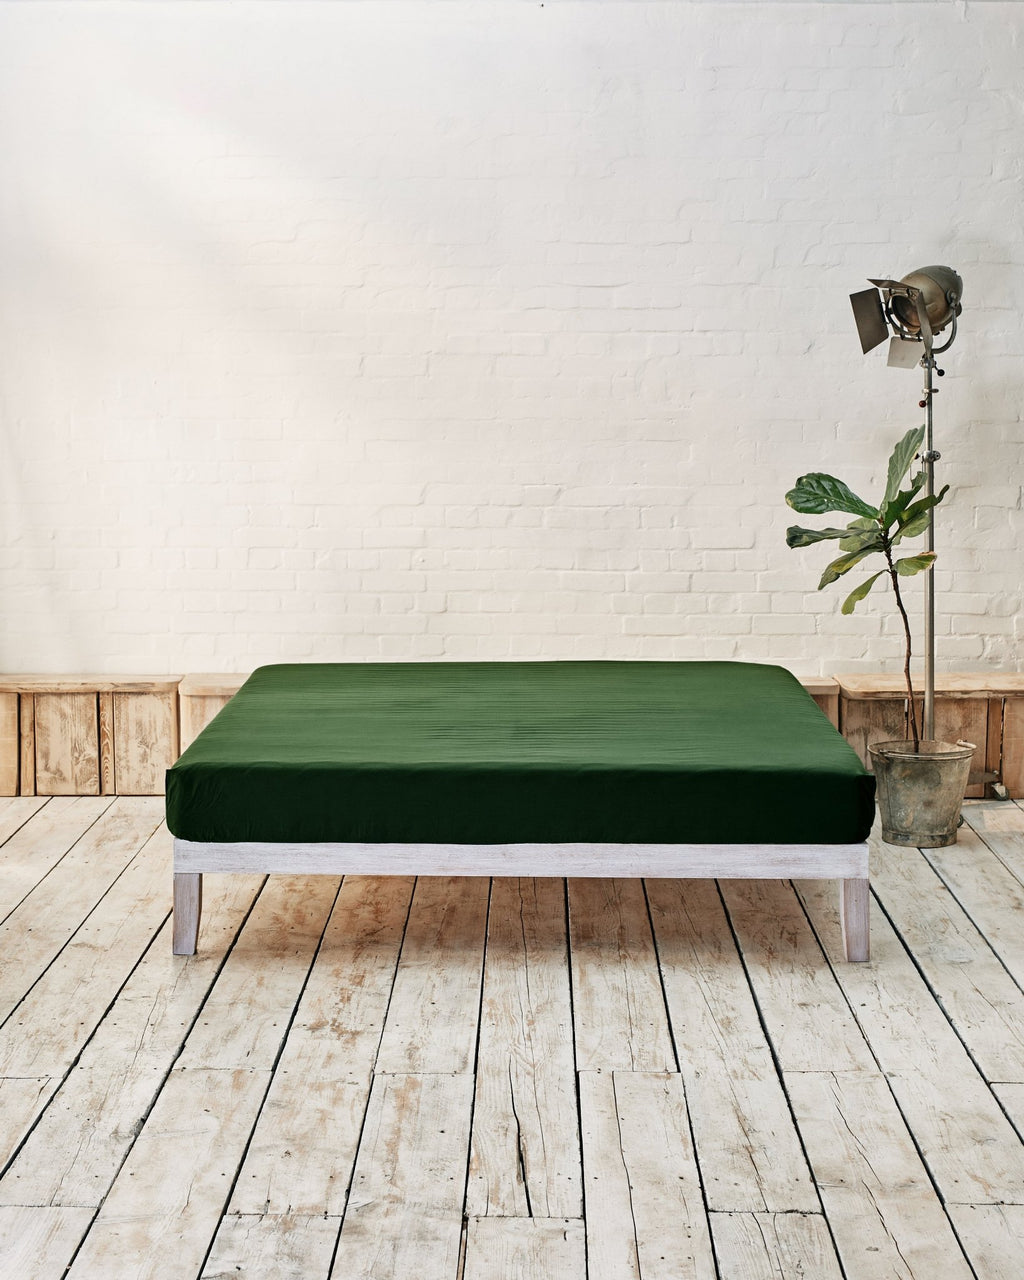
[87, 735]
[103, 735]
[986, 708]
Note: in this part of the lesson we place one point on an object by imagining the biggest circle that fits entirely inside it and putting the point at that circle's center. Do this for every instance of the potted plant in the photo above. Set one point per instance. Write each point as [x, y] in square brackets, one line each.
[920, 784]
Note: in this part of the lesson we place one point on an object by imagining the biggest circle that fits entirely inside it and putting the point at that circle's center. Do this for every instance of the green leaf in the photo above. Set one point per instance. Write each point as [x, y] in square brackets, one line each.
[910, 565]
[797, 537]
[896, 509]
[842, 565]
[858, 594]
[817, 493]
[912, 528]
[914, 520]
[864, 540]
[899, 462]
[858, 532]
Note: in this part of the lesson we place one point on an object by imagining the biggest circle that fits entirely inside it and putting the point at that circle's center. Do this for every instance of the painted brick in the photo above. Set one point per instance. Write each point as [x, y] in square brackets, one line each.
[313, 352]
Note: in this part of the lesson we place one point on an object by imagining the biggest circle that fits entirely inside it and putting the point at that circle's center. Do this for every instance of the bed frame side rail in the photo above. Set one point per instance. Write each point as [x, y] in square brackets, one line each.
[846, 862]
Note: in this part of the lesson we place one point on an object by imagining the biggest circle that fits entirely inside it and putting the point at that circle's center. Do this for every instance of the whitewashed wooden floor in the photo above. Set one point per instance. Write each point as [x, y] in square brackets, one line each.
[464, 1080]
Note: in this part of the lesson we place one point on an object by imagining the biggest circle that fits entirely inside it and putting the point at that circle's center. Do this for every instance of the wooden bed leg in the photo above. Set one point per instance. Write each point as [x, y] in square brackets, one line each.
[854, 911]
[188, 905]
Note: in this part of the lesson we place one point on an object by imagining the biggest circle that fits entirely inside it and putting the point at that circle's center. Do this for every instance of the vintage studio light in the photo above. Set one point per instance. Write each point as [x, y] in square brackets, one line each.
[911, 312]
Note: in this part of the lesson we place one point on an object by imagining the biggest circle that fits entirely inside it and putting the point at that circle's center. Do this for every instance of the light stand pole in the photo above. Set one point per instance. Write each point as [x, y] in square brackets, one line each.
[929, 457]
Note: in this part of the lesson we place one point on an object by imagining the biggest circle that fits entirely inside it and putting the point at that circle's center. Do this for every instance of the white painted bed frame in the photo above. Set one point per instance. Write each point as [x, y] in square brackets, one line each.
[846, 862]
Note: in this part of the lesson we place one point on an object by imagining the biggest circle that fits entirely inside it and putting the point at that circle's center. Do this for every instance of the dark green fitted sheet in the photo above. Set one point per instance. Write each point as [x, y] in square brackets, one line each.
[510, 752]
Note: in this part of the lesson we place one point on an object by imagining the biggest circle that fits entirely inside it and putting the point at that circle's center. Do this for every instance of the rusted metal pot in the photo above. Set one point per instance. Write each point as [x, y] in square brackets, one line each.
[920, 792]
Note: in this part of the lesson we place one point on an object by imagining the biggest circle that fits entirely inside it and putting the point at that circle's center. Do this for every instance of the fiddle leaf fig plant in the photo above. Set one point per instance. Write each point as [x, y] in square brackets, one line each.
[873, 531]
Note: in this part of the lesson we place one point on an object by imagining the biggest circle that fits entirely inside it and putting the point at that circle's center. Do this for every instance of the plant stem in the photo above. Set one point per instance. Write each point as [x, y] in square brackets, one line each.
[911, 712]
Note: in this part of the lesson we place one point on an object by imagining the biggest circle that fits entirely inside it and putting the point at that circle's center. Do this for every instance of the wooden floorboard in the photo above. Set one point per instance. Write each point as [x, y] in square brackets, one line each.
[747, 1147]
[457, 1079]
[525, 1158]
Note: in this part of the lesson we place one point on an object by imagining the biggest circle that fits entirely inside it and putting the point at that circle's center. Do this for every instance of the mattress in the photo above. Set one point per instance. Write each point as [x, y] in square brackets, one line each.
[521, 752]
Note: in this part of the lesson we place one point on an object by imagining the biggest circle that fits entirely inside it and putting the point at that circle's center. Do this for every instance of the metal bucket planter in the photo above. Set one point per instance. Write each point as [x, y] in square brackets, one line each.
[920, 792]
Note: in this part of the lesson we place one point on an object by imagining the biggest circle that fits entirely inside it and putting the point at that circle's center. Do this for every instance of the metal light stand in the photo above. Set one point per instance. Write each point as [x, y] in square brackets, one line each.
[876, 315]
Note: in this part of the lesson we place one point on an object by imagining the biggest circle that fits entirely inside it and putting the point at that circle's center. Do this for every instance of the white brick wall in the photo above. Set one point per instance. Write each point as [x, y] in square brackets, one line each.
[421, 330]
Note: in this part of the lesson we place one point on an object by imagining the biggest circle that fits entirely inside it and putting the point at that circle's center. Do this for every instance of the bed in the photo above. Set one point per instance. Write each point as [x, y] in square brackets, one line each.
[638, 769]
